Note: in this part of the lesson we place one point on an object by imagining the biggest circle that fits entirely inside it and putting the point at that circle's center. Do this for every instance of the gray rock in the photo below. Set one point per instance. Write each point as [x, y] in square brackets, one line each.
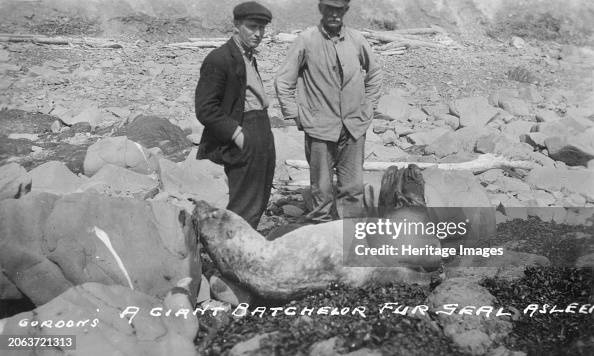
[54, 177]
[292, 210]
[509, 266]
[14, 181]
[517, 128]
[586, 261]
[427, 137]
[121, 152]
[417, 115]
[575, 150]
[474, 334]
[490, 176]
[393, 107]
[51, 243]
[516, 107]
[389, 138]
[194, 178]
[530, 94]
[99, 329]
[460, 196]
[252, 346]
[534, 139]
[226, 291]
[473, 111]
[462, 140]
[550, 179]
[117, 181]
[203, 290]
[546, 116]
[563, 127]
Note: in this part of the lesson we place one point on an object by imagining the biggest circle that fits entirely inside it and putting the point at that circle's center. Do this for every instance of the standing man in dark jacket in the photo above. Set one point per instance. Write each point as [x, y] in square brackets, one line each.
[231, 104]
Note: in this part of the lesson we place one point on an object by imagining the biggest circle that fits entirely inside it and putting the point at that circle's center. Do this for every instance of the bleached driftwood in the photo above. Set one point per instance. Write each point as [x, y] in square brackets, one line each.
[400, 40]
[196, 44]
[85, 41]
[482, 163]
[419, 31]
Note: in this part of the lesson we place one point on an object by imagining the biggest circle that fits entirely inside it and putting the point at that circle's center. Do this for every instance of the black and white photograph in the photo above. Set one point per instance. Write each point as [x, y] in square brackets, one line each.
[309, 178]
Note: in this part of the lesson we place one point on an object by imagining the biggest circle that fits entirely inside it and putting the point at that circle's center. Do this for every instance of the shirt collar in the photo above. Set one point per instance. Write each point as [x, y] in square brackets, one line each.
[327, 35]
[249, 53]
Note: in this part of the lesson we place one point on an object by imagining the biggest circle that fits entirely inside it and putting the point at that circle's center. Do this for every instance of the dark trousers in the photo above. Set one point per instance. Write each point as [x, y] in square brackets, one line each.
[346, 158]
[250, 178]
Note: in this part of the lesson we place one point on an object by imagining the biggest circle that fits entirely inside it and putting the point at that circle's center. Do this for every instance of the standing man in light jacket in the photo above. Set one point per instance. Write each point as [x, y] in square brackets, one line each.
[231, 104]
[330, 85]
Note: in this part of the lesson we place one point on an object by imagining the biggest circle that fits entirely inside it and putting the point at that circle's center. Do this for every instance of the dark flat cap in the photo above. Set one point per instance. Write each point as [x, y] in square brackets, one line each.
[335, 3]
[251, 10]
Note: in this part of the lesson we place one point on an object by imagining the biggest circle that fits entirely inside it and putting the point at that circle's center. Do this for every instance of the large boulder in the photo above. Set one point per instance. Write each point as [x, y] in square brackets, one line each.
[304, 260]
[102, 320]
[49, 243]
[54, 177]
[574, 150]
[514, 106]
[459, 141]
[154, 131]
[119, 151]
[555, 180]
[427, 137]
[457, 196]
[118, 181]
[194, 179]
[14, 181]
[473, 111]
[393, 107]
[510, 265]
[474, 334]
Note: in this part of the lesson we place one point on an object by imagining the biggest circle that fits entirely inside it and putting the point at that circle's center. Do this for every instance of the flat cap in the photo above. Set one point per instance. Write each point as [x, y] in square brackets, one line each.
[251, 10]
[335, 3]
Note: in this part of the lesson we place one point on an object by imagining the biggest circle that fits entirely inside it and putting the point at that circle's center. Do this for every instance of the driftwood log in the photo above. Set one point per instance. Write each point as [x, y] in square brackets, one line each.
[482, 163]
[85, 41]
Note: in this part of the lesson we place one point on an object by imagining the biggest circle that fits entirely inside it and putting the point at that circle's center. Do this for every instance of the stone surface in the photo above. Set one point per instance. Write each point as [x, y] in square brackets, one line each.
[100, 330]
[534, 139]
[516, 107]
[509, 266]
[427, 137]
[563, 127]
[546, 116]
[295, 264]
[292, 210]
[586, 261]
[462, 140]
[473, 111]
[517, 128]
[14, 181]
[550, 179]
[54, 177]
[198, 179]
[121, 152]
[251, 347]
[154, 131]
[118, 181]
[460, 196]
[226, 291]
[574, 150]
[474, 334]
[393, 107]
[49, 243]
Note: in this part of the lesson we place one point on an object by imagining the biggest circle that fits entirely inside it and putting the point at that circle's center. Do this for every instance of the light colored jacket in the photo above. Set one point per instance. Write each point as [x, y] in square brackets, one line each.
[327, 82]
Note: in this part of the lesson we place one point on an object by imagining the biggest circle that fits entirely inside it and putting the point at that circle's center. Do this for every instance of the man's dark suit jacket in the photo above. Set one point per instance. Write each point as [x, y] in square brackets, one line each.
[220, 101]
